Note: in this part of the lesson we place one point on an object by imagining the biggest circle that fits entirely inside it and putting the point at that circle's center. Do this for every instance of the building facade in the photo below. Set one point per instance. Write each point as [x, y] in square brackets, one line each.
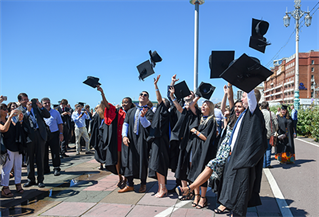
[279, 88]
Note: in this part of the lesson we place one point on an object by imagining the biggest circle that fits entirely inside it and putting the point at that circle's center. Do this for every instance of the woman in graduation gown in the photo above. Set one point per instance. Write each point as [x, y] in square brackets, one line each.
[203, 148]
[159, 139]
[188, 119]
[285, 149]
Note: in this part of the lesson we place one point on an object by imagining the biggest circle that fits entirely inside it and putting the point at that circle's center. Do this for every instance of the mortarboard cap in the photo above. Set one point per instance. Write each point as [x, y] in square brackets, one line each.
[181, 90]
[81, 103]
[55, 105]
[92, 81]
[246, 73]
[258, 30]
[284, 107]
[205, 90]
[145, 69]
[155, 57]
[219, 61]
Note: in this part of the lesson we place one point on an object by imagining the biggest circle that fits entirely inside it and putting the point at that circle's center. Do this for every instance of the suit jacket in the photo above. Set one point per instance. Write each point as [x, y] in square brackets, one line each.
[39, 115]
[66, 118]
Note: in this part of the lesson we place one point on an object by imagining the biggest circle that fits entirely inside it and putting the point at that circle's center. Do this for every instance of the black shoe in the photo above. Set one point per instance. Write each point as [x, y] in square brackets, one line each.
[41, 185]
[28, 184]
[269, 167]
[65, 155]
[56, 172]
[88, 152]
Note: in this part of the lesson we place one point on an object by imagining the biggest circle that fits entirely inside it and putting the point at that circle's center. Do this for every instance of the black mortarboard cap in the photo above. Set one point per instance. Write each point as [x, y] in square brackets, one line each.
[246, 73]
[155, 57]
[55, 105]
[219, 61]
[284, 107]
[92, 81]
[181, 90]
[205, 90]
[258, 30]
[145, 69]
[81, 103]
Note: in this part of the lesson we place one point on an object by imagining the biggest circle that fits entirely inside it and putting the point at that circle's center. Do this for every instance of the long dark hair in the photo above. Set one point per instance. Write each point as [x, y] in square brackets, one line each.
[232, 116]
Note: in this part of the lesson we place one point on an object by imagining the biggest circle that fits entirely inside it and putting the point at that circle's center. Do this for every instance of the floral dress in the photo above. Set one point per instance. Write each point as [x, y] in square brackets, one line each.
[217, 164]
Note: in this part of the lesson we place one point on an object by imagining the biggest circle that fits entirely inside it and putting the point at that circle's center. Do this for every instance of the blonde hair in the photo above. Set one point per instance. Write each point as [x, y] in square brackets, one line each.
[211, 112]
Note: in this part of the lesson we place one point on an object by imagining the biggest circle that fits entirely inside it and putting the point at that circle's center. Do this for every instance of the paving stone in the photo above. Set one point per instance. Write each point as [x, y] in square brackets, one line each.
[192, 213]
[69, 209]
[88, 196]
[145, 211]
[109, 210]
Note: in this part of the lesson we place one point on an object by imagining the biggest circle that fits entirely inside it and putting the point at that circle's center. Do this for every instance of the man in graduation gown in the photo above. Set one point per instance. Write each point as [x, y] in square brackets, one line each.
[243, 169]
[135, 149]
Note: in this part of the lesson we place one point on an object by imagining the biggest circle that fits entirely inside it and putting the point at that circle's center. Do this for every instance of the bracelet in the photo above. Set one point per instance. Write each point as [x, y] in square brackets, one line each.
[61, 133]
[229, 86]
[198, 135]
[156, 89]
[174, 100]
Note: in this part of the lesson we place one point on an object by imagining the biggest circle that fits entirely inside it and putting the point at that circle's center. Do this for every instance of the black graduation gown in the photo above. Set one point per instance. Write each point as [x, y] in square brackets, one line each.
[202, 151]
[243, 170]
[159, 139]
[286, 145]
[135, 157]
[174, 142]
[181, 132]
[104, 141]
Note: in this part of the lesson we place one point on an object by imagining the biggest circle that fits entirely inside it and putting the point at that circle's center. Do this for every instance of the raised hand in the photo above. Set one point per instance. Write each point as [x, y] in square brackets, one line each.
[174, 80]
[156, 79]
[143, 112]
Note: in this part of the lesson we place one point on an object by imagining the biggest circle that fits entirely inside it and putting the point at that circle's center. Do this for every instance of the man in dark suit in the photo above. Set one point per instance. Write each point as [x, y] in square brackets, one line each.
[66, 118]
[34, 113]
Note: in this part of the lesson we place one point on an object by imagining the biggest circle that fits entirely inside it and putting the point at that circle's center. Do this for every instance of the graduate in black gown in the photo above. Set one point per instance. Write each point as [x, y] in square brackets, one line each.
[243, 169]
[159, 139]
[188, 119]
[203, 145]
[285, 148]
[135, 151]
[104, 134]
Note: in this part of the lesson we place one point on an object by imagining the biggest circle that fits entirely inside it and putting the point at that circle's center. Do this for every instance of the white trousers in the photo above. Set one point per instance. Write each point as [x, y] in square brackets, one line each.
[81, 132]
[14, 159]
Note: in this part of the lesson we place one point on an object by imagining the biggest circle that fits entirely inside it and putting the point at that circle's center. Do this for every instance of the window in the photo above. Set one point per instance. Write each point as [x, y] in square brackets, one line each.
[312, 69]
[312, 62]
[312, 77]
[311, 94]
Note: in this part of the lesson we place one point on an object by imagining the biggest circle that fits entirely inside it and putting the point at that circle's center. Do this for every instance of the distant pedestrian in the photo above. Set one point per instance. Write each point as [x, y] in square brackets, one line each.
[294, 117]
[272, 127]
[65, 113]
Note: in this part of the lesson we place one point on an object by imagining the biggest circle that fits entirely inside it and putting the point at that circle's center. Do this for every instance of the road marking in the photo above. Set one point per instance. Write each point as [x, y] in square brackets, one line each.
[307, 142]
[283, 206]
[172, 209]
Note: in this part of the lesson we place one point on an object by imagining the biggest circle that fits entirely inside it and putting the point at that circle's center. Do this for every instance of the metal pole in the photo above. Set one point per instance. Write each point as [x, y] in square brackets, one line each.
[196, 46]
[297, 100]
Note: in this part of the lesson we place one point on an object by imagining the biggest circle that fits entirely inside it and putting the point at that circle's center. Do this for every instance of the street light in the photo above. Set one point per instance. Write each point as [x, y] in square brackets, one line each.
[196, 3]
[297, 14]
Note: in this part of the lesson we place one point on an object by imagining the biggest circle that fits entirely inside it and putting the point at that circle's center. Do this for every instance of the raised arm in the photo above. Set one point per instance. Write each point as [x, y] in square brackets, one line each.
[223, 104]
[4, 128]
[230, 95]
[103, 97]
[158, 93]
[176, 104]
[192, 105]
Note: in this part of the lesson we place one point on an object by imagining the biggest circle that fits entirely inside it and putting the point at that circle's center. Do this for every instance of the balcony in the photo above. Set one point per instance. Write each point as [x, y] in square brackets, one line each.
[289, 82]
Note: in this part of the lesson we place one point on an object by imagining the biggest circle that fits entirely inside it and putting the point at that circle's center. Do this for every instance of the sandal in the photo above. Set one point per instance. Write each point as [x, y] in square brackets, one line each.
[180, 191]
[19, 188]
[204, 205]
[193, 203]
[219, 211]
[4, 194]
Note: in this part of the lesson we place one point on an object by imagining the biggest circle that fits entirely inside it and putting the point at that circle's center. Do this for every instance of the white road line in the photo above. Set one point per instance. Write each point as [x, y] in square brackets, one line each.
[283, 206]
[308, 142]
[172, 209]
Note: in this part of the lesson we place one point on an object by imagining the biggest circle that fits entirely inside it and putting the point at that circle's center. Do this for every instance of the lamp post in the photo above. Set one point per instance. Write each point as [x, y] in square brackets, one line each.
[297, 14]
[196, 3]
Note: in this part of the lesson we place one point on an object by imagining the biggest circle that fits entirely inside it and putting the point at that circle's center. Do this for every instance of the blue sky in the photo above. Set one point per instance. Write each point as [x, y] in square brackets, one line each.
[48, 48]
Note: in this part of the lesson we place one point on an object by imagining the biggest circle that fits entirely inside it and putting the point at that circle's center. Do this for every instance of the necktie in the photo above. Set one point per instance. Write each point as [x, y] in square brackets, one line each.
[34, 121]
[137, 117]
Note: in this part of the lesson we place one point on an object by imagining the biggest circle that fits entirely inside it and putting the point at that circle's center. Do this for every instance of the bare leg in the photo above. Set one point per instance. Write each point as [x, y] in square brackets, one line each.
[203, 200]
[197, 197]
[201, 179]
[162, 188]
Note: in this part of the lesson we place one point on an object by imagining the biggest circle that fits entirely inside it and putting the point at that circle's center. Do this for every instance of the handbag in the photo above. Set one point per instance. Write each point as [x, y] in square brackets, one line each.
[3, 154]
[273, 138]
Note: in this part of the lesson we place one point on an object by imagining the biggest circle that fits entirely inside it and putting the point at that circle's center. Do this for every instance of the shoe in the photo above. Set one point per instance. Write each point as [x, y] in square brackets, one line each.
[19, 188]
[65, 155]
[142, 188]
[8, 194]
[88, 152]
[219, 210]
[126, 189]
[194, 204]
[269, 167]
[28, 184]
[41, 185]
[163, 191]
[204, 205]
[61, 156]
[77, 154]
[56, 172]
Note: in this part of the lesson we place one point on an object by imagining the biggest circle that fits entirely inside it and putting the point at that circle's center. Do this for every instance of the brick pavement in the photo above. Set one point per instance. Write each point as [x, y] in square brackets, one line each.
[83, 190]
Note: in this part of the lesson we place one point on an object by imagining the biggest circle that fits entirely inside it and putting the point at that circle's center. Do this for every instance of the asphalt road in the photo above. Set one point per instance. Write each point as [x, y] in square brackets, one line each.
[299, 182]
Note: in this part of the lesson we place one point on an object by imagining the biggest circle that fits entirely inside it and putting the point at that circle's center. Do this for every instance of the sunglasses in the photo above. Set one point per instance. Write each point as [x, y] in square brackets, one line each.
[4, 109]
[143, 94]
